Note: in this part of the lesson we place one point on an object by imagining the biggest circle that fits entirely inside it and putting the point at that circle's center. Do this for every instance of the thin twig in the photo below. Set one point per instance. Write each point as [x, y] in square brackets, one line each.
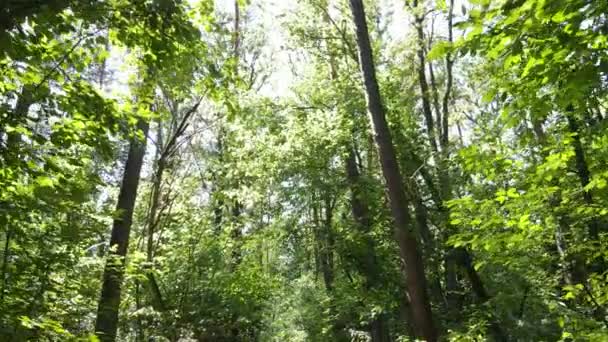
[63, 59]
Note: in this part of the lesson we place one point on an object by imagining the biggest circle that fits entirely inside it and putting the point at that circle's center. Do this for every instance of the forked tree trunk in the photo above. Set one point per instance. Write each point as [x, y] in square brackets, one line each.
[406, 239]
[455, 258]
[106, 324]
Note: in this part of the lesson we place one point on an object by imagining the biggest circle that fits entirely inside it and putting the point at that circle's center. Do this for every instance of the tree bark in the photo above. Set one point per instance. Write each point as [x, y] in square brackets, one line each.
[152, 219]
[368, 263]
[424, 86]
[5, 258]
[582, 170]
[406, 239]
[455, 257]
[237, 33]
[106, 324]
[449, 63]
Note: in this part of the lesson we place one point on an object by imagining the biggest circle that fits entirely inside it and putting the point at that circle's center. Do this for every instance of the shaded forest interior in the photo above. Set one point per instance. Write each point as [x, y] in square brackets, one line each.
[310, 170]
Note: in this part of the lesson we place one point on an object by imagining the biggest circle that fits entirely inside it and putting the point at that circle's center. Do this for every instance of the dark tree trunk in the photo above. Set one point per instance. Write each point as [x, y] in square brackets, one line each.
[106, 324]
[324, 258]
[327, 259]
[424, 86]
[459, 257]
[449, 63]
[367, 263]
[236, 234]
[452, 285]
[406, 238]
[582, 170]
[568, 262]
[5, 257]
[595, 227]
[324, 242]
[237, 33]
[152, 220]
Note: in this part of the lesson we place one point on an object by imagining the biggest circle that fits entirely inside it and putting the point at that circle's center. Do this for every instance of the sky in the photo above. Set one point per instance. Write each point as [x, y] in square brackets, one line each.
[270, 14]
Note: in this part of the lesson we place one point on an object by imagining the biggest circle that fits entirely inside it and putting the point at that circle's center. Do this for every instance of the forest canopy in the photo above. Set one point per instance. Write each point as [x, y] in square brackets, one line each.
[306, 170]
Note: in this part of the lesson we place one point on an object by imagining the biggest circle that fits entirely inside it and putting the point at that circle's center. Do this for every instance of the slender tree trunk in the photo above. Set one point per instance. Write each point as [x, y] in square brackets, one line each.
[139, 327]
[563, 224]
[106, 324]
[316, 238]
[323, 243]
[406, 238]
[5, 256]
[573, 265]
[152, 220]
[324, 249]
[236, 234]
[455, 257]
[237, 33]
[328, 245]
[598, 264]
[449, 63]
[424, 86]
[582, 170]
[453, 288]
[436, 105]
[379, 330]
[367, 264]
[430, 249]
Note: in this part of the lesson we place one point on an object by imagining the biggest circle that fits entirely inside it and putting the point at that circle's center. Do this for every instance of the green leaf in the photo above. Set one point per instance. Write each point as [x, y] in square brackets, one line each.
[45, 182]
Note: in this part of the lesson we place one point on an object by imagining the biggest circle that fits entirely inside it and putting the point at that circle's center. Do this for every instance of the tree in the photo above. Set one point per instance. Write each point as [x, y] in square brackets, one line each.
[262, 206]
[404, 234]
[106, 324]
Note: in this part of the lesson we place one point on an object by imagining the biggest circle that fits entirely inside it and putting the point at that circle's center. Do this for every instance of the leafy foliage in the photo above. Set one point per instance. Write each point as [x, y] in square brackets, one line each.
[261, 212]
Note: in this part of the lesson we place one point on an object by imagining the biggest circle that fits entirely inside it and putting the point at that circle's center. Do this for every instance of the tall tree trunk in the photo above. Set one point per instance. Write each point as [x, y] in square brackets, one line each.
[455, 258]
[322, 217]
[237, 33]
[582, 170]
[152, 219]
[563, 224]
[106, 324]
[572, 264]
[449, 63]
[594, 226]
[324, 258]
[236, 234]
[368, 264]
[424, 86]
[139, 327]
[406, 238]
[453, 288]
[5, 257]
[328, 244]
